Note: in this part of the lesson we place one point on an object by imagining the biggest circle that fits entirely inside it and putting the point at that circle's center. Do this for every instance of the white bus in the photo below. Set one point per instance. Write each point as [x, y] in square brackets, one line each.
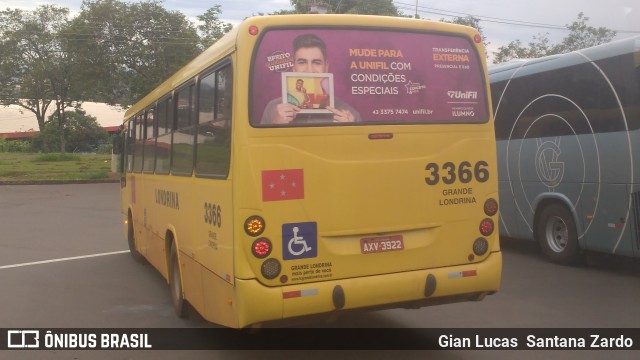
[567, 137]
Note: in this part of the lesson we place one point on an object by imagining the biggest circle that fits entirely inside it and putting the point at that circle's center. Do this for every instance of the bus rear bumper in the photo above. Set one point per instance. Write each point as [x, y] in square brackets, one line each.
[413, 289]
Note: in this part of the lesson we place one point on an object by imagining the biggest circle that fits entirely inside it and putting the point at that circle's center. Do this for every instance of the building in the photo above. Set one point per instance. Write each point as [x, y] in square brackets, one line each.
[17, 123]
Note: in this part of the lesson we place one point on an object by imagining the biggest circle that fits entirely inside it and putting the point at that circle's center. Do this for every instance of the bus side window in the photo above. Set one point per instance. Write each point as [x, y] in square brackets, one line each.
[183, 137]
[129, 144]
[149, 142]
[138, 151]
[165, 129]
[213, 151]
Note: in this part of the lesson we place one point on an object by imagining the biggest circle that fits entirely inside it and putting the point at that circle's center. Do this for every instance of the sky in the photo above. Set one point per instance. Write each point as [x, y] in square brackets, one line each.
[502, 21]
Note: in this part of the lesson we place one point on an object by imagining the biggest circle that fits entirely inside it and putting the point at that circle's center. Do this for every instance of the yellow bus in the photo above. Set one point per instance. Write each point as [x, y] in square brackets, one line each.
[313, 164]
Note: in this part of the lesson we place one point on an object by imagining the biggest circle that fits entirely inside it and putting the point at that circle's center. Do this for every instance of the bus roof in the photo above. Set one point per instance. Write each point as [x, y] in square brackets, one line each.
[556, 61]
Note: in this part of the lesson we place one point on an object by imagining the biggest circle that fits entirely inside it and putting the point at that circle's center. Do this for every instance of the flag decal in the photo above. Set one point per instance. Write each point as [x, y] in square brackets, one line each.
[287, 184]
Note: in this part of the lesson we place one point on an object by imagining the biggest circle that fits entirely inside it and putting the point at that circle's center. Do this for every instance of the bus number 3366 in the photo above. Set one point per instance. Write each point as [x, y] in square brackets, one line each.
[213, 214]
[449, 173]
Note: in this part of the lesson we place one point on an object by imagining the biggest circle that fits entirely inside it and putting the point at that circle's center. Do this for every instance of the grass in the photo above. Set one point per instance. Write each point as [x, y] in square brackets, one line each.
[56, 167]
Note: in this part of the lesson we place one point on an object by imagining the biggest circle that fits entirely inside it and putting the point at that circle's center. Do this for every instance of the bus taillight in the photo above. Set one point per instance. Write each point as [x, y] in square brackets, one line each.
[271, 268]
[480, 246]
[261, 248]
[486, 227]
[254, 225]
[253, 30]
[491, 207]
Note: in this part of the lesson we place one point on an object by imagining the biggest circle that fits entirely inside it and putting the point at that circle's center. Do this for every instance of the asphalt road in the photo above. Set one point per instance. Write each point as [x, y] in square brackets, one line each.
[92, 282]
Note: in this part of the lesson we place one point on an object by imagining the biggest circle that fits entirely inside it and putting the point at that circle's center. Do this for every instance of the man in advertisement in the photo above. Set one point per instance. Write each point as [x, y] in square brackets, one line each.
[310, 56]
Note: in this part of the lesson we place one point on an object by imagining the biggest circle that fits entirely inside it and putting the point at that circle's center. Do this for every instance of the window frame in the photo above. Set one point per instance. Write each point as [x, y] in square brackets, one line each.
[214, 70]
[193, 121]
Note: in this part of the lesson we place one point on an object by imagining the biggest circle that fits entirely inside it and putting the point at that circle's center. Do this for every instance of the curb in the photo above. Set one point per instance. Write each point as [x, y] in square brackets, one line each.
[59, 182]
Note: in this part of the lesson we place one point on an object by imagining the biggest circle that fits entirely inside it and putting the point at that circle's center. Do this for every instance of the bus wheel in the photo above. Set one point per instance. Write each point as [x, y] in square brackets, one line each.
[175, 283]
[556, 233]
[131, 239]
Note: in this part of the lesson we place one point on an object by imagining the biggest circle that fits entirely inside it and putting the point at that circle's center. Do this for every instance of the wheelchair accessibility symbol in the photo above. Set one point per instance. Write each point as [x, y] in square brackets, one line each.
[299, 240]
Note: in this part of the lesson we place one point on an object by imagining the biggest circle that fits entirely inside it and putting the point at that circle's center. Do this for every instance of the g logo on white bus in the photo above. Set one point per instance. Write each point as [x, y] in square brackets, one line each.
[550, 170]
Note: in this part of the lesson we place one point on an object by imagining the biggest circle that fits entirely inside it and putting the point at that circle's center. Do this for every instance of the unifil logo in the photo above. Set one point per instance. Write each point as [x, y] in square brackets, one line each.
[462, 94]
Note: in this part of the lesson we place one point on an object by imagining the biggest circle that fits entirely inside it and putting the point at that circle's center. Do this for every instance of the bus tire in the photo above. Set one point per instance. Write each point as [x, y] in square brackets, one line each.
[557, 235]
[175, 284]
[131, 239]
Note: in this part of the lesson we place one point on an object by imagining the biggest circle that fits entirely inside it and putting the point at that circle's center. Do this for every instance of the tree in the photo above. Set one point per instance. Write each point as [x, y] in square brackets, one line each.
[366, 7]
[81, 131]
[580, 36]
[130, 48]
[211, 27]
[372, 7]
[473, 22]
[514, 50]
[114, 51]
[33, 59]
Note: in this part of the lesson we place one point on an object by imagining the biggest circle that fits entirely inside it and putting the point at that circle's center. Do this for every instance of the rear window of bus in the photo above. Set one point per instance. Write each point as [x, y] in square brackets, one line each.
[303, 77]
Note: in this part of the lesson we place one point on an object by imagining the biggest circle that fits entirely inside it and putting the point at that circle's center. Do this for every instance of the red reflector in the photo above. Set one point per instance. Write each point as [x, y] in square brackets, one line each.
[299, 293]
[253, 30]
[469, 273]
[381, 136]
[291, 294]
[477, 39]
[463, 274]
